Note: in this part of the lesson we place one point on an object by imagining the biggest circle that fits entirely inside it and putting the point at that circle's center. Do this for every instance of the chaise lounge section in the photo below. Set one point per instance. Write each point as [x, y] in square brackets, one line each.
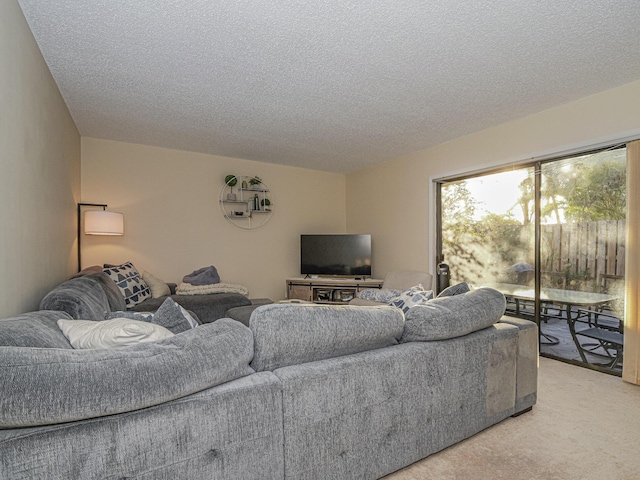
[92, 296]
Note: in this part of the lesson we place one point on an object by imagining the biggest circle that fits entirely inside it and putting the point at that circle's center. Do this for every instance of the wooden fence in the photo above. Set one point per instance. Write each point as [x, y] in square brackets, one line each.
[584, 251]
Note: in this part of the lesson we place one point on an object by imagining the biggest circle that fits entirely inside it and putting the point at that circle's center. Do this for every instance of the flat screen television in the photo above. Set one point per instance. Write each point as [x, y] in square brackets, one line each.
[341, 254]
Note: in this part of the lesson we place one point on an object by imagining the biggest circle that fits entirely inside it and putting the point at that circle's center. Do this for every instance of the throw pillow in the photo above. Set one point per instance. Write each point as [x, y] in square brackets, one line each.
[192, 321]
[382, 295]
[141, 316]
[408, 299]
[157, 286]
[150, 317]
[170, 316]
[130, 282]
[453, 316]
[118, 332]
[457, 289]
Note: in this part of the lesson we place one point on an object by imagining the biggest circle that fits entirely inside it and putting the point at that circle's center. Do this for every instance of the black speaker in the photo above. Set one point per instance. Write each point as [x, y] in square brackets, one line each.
[442, 277]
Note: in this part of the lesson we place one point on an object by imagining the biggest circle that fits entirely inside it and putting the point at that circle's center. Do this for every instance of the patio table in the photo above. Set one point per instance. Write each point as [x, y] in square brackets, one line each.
[566, 299]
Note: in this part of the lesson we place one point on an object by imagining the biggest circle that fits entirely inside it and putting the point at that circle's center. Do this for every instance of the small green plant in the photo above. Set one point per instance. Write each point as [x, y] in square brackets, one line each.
[255, 181]
[265, 202]
[231, 180]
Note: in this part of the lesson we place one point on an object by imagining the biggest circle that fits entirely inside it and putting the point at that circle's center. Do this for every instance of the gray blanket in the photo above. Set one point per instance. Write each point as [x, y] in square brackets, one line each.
[203, 276]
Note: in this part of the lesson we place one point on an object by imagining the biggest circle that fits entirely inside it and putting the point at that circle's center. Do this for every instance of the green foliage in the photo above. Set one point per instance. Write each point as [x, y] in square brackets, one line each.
[599, 193]
[477, 249]
[580, 189]
[231, 180]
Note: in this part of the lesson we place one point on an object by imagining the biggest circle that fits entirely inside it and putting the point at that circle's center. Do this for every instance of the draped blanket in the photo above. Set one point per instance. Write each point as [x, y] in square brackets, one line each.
[188, 289]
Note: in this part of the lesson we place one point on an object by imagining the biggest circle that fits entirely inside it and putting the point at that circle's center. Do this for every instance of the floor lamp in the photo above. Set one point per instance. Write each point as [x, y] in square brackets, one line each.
[98, 222]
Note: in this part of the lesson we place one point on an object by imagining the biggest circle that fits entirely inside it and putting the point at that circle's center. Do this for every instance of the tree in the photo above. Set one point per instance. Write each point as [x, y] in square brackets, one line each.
[460, 207]
[599, 193]
[527, 187]
[477, 249]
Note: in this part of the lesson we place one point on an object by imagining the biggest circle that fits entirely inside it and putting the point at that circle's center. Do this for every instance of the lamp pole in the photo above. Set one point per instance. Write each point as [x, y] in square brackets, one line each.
[80, 205]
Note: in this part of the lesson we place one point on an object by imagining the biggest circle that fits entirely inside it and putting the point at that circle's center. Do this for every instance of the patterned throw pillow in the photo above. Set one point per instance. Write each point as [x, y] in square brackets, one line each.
[410, 298]
[382, 295]
[457, 289]
[130, 282]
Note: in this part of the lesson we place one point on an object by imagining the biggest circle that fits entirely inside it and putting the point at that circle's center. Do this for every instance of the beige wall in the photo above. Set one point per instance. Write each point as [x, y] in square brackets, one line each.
[173, 223]
[39, 171]
[394, 201]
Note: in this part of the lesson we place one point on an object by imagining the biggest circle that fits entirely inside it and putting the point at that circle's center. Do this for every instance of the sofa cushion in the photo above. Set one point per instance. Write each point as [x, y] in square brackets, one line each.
[454, 316]
[130, 282]
[207, 308]
[81, 297]
[44, 386]
[289, 334]
[111, 290]
[34, 329]
[457, 289]
[142, 316]
[117, 332]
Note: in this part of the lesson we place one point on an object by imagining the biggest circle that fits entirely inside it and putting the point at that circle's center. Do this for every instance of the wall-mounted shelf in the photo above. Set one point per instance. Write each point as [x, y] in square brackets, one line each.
[245, 207]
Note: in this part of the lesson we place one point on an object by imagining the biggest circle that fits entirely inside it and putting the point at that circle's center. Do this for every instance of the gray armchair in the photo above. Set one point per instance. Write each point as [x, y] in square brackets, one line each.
[399, 280]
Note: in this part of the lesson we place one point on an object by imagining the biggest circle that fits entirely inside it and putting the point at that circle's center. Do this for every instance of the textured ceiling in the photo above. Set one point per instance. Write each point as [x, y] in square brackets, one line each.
[327, 85]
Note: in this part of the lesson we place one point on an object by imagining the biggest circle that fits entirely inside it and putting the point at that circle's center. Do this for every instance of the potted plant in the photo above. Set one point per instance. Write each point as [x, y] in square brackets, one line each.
[266, 204]
[255, 182]
[232, 181]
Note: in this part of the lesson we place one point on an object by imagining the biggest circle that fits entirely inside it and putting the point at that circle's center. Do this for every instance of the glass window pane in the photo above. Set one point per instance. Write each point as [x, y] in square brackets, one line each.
[582, 257]
[488, 239]
[487, 228]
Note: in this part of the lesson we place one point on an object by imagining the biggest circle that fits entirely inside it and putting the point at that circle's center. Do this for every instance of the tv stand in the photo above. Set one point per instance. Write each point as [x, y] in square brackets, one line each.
[328, 290]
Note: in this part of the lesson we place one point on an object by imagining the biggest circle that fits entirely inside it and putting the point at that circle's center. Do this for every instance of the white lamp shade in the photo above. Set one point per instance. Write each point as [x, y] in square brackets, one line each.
[102, 222]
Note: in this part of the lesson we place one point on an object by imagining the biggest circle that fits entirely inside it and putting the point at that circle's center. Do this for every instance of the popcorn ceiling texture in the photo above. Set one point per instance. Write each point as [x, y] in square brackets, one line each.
[327, 85]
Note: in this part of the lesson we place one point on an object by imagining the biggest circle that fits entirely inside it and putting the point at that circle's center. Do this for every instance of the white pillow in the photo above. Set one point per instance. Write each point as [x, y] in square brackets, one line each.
[157, 286]
[117, 332]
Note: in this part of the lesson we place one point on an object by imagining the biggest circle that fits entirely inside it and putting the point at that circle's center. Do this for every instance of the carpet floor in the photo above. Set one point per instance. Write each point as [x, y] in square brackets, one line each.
[585, 426]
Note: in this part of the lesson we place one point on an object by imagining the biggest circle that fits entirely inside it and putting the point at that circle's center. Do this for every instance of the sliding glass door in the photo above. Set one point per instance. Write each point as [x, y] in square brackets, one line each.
[570, 280]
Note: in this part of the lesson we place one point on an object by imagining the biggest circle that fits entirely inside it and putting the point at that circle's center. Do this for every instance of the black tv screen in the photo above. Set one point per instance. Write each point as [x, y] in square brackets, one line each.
[345, 254]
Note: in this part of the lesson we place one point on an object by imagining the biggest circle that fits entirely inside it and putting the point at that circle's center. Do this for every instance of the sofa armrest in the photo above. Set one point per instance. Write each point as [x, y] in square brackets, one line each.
[362, 302]
[527, 367]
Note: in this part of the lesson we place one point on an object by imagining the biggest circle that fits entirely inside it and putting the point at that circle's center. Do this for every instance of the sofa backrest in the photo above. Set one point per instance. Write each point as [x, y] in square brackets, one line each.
[290, 334]
[43, 386]
[453, 316]
[87, 297]
[34, 329]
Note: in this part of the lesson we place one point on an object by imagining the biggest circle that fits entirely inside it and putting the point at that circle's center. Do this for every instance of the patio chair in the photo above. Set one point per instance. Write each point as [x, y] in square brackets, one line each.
[604, 325]
[609, 343]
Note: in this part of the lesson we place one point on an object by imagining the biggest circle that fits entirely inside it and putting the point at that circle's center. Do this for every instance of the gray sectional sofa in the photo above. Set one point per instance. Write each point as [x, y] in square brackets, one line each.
[304, 392]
